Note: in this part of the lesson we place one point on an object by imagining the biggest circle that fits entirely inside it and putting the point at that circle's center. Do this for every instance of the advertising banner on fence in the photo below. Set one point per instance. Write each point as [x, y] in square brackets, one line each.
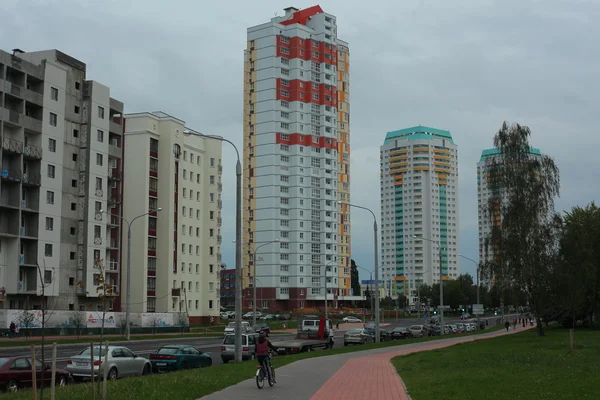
[94, 320]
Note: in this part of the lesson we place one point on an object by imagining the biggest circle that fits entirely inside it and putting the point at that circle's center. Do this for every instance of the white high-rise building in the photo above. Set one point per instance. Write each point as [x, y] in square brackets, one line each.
[296, 162]
[61, 165]
[419, 197]
[176, 252]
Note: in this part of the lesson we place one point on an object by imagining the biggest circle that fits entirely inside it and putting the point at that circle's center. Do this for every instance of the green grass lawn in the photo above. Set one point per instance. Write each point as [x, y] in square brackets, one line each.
[192, 384]
[519, 366]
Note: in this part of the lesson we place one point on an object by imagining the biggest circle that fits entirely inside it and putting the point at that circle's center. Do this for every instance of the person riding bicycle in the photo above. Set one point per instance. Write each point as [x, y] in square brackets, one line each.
[262, 348]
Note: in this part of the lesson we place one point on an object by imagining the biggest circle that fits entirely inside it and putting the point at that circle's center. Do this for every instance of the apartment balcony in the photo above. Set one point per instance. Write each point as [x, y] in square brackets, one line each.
[151, 272]
[114, 199]
[219, 221]
[30, 205]
[154, 173]
[11, 145]
[113, 267]
[13, 118]
[219, 204]
[152, 192]
[220, 187]
[113, 222]
[115, 125]
[220, 169]
[113, 244]
[152, 232]
[11, 175]
[28, 259]
[151, 293]
[115, 173]
[33, 152]
[32, 179]
[31, 124]
[29, 232]
[219, 239]
[8, 229]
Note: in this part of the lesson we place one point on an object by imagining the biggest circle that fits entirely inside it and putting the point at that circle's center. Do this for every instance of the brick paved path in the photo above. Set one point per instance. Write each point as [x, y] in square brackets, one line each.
[362, 375]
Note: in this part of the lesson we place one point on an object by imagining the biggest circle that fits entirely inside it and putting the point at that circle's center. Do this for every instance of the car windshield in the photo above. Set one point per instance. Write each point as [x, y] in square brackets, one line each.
[3, 361]
[400, 330]
[355, 332]
[230, 339]
[168, 350]
[231, 325]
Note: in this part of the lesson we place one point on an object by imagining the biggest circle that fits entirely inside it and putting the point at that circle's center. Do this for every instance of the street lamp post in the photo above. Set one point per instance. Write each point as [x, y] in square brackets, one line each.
[128, 284]
[254, 281]
[376, 266]
[238, 245]
[477, 271]
[441, 281]
[326, 267]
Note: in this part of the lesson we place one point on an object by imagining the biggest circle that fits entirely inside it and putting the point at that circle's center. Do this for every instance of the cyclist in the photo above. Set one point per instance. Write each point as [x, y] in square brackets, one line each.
[262, 349]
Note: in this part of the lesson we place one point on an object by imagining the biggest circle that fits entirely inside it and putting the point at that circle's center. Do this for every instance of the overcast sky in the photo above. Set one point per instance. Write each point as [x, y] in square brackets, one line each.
[460, 65]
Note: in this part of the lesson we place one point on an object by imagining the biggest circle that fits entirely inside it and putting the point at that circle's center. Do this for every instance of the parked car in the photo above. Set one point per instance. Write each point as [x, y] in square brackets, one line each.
[284, 317]
[268, 317]
[435, 330]
[262, 327]
[358, 336]
[248, 347]
[418, 331]
[175, 357]
[230, 328]
[401, 333]
[122, 362]
[384, 335]
[224, 315]
[15, 374]
[351, 319]
[460, 328]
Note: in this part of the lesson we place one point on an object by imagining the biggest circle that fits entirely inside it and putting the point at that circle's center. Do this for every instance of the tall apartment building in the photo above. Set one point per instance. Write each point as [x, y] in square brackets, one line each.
[484, 195]
[176, 252]
[61, 165]
[296, 161]
[419, 197]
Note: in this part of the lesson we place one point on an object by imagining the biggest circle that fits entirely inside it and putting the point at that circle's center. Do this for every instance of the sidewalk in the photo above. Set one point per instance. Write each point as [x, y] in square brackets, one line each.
[363, 375]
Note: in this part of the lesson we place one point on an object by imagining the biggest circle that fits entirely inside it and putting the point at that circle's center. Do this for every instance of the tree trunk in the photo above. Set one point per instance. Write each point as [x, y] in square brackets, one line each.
[540, 326]
[572, 336]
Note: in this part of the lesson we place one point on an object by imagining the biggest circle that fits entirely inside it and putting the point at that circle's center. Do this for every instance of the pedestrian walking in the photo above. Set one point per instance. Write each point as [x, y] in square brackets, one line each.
[507, 325]
[12, 328]
[17, 330]
[514, 324]
[523, 322]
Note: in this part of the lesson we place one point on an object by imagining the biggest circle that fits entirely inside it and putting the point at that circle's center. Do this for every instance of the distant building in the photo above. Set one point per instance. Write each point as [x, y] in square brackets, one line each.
[228, 288]
[419, 198]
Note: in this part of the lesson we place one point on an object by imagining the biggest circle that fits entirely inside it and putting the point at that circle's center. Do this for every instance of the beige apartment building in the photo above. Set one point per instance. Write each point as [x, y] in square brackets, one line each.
[175, 252]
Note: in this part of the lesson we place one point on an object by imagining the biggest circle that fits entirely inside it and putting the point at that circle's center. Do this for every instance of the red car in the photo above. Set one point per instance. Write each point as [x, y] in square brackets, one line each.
[15, 374]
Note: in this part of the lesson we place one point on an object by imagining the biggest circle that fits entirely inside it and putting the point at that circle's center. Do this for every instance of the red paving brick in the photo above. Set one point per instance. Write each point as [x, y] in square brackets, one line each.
[375, 378]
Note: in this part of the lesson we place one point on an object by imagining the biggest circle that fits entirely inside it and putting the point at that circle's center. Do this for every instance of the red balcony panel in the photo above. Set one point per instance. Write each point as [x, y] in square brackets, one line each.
[153, 193]
[154, 154]
[151, 273]
[151, 292]
[153, 173]
[152, 253]
[151, 232]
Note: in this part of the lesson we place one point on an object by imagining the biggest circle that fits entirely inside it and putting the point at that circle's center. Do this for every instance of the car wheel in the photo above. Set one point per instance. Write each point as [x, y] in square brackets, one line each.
[62, 381]
[12, 386]
[113, 374]
[147, 370]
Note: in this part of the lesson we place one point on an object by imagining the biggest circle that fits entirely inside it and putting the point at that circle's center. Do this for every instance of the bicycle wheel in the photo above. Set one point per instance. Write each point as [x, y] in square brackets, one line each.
[272, 377]
[260, 379]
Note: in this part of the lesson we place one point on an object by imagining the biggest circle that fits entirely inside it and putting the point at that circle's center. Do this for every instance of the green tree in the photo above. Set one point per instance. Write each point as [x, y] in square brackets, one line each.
[354, 279]
[524, 243]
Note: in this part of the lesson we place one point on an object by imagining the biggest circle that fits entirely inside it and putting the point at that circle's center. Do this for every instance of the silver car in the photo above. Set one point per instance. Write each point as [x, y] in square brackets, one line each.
[248, 347]
[121, 362]
[417, 331]
[358, 336]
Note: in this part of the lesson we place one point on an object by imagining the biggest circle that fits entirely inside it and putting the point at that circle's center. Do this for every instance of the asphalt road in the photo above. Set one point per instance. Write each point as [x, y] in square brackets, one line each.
[211, 346]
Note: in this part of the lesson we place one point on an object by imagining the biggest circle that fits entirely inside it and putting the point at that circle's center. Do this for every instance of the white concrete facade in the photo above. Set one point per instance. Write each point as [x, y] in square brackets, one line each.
[419, 197]
[53, 117]
[175, 253]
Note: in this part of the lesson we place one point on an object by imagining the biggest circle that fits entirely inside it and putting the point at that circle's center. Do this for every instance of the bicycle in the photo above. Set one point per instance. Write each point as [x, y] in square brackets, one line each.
[265, 372]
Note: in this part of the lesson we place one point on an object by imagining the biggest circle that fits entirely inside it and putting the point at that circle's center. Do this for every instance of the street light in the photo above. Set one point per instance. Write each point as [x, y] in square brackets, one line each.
[370, 280]
[238, 246]
[327, 266]
[254, 281]
[477, 269]
[441, 281]
[376, 266]
[128, 284]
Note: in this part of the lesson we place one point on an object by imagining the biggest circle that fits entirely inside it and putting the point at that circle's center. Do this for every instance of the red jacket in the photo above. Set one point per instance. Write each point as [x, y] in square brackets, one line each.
[262, 349]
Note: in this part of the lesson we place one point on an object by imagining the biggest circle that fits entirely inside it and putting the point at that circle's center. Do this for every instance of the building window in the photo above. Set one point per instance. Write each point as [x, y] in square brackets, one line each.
[210, 304]
[49, 224]
[100, 136]
[212, 179]
[100, 112]
[52, 145]
[98, 183]
[49, 197]
[53, 119]
[51, 171]
[212, 162]
[54, 93]
[76, 109]
[99, 159]
[48, 250]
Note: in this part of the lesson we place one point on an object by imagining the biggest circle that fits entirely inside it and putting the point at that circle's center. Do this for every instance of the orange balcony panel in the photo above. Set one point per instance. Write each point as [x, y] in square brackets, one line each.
[440, 151]
[445, 164]
[445, 278]
[398, 183]
[421, 168]
[395, 152]
[341, 96]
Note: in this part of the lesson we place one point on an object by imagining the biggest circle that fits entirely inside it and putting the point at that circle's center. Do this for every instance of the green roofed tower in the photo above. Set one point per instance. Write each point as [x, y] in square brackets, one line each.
[419, 196]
